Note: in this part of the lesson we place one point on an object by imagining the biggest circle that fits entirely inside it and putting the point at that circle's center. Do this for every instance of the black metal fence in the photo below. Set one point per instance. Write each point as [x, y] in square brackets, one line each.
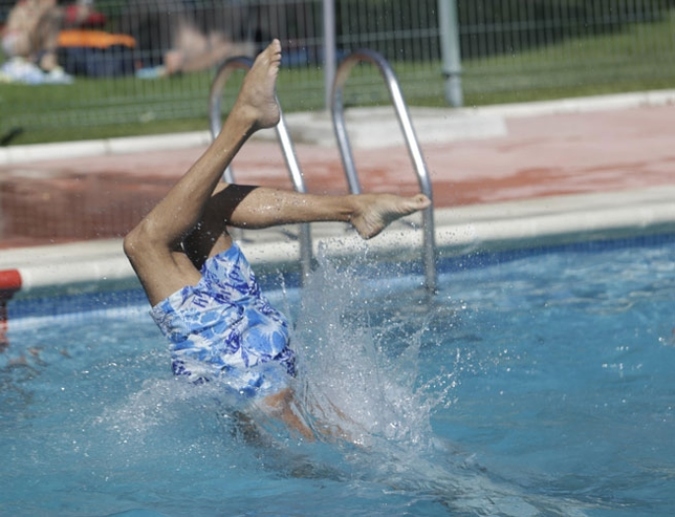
[522, 46]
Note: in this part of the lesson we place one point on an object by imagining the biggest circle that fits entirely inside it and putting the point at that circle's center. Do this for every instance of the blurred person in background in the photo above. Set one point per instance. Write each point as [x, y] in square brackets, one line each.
[31, 32]
[176, 36]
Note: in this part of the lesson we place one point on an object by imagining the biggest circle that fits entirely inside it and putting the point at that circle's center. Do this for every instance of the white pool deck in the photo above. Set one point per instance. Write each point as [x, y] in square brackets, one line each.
[553, 183]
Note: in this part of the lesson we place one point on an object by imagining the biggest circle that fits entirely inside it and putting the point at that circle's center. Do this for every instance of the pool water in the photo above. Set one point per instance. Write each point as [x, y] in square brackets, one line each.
[536, 384]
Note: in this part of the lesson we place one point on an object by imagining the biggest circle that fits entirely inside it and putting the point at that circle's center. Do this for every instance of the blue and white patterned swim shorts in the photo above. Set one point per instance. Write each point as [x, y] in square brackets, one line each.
[223, 329]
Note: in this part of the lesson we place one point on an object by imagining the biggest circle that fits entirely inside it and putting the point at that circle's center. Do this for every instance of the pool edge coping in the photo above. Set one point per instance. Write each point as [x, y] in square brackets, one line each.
[459, 231]
[23, 154]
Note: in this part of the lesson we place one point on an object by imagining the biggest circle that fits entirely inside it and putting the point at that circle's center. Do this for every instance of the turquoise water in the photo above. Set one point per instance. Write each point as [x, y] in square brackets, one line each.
[536, 384]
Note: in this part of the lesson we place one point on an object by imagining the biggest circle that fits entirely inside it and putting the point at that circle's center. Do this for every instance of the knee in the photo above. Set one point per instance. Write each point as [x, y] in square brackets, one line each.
[137, 242]
[148, 240]
[16, 45]
[130, 243]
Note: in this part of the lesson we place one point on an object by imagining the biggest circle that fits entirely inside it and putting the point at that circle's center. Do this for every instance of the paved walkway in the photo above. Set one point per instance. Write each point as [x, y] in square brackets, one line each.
[538, 154]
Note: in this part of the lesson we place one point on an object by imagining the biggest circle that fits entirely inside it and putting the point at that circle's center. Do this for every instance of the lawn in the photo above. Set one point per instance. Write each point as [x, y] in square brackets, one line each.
[641, 57]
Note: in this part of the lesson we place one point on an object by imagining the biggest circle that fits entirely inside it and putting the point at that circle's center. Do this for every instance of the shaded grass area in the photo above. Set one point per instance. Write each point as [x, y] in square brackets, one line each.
[642, 57]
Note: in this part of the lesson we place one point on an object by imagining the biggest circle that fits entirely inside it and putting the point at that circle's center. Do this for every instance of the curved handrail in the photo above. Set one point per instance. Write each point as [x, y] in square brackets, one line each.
[337, 111]
[222, 75]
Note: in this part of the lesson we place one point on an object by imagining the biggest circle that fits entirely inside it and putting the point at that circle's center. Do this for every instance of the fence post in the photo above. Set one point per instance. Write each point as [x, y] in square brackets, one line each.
[329, 60]
[452, 61]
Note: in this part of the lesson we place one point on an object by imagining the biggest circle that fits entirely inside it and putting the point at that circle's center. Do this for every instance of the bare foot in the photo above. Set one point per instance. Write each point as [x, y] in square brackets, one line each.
[375, 211]
[257, 99]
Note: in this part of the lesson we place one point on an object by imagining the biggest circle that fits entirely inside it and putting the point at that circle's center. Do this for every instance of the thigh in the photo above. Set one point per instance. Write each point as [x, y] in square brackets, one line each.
[163, 272]
[206, 241]
[210, 235]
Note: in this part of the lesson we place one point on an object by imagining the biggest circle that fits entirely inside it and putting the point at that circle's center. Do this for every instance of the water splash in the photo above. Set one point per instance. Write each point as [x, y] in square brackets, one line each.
[354, 385]
[361, 388]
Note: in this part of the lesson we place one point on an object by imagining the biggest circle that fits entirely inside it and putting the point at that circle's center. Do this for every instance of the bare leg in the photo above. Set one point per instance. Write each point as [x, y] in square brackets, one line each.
[260, 207]
[192, 217]
[217, 51]
[154, 246]
[189, 45]
[194, 51]
[280, 405]
[368, 213]
[47, 32]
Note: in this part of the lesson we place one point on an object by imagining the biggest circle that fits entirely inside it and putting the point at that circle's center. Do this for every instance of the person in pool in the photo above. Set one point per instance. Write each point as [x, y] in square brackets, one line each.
[203, 293]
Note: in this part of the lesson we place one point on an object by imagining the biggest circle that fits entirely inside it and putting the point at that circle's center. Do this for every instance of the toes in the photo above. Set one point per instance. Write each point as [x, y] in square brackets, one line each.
[421, 201]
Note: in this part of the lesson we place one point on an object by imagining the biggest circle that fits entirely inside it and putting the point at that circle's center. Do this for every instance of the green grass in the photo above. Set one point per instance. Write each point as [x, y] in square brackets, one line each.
[641, 57]
[104, 108]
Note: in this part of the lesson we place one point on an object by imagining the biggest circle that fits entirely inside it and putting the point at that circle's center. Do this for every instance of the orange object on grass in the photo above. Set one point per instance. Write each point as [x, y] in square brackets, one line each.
[94, 39]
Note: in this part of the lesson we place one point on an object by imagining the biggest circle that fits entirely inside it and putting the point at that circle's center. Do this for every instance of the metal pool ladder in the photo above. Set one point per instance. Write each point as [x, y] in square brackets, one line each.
[337, 111]
[222, 75]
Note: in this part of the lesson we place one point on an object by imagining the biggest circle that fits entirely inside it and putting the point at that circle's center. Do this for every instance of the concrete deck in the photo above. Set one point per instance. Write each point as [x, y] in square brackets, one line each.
[503, 172]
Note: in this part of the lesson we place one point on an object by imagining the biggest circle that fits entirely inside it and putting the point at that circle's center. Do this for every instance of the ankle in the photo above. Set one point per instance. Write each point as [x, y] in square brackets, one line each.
[353, 206]
[244, 118]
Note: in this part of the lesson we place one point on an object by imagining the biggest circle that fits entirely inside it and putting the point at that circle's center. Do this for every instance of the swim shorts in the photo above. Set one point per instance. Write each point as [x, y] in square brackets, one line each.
[223, 329]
